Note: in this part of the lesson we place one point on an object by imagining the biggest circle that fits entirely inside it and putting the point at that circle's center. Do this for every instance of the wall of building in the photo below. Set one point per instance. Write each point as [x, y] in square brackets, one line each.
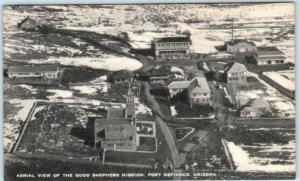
[49, 75]
[199, 98]
[240, 48]
[237, 78]
[269, 62]
[172, 50]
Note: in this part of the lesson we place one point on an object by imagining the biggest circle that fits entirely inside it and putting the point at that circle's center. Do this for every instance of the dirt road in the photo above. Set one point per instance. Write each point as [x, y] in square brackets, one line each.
[163, 126]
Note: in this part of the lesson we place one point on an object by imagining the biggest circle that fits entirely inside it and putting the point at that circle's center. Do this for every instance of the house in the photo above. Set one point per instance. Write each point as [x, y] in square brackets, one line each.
[240, 46]
[159, 76]
[177, 87]
[123, 76]
[36, 74]
[118, 131]
[236, 73]
[199, 92]
[116, 134]
[197, 88]
[269, 56]
[29, 24]
[172, 47]
[256, 108]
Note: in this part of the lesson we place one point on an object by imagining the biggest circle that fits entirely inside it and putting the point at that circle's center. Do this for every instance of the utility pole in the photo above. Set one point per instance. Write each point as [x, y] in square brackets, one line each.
[231, 29]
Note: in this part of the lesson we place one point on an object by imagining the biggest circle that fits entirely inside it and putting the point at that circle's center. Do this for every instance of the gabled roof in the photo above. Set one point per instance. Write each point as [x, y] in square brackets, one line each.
[116, 129]
[113, 113]
[179, 85]
[235, 67]
[130, 108]
[269, 50]
[172, 39]
[199, 85]
[160, 71]
[237, 41]
[125, 74]
[34, 68]
[27, 19]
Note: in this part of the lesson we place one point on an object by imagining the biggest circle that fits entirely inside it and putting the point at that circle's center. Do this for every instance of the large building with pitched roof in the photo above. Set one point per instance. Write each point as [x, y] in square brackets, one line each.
[197, 89]
[236, 73]
[240, 46]
[199, 92]
[36, 74]
[172, 47]
[269, 56]
[115, 134]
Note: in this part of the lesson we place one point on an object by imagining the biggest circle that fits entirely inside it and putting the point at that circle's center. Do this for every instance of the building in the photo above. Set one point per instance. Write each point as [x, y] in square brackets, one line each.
[115, 134]
[269, 56]
[256, 108]
[29, 24]
[177, 87]
[197, 89]
[172, 48]
[240, 46]
[199, 92]
[123, 76]
[236, 73]
[118, 131]
[36, 74]
[159, 76]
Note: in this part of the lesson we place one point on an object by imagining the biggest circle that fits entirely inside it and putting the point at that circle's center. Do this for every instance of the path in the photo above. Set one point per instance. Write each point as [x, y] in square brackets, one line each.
[163, 126]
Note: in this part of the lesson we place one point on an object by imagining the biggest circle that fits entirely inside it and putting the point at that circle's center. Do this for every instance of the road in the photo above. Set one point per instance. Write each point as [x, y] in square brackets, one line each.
[159, 116]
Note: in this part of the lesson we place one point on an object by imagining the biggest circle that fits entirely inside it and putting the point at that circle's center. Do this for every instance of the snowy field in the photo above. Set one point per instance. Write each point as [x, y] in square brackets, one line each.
[284, 78]
[266, 157]
[112, 63]
[259, 23]
[283, 105]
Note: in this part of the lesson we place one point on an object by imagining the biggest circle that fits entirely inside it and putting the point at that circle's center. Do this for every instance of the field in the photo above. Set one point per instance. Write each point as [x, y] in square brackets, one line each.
[270, 150]
[61, 130]
[285, 79]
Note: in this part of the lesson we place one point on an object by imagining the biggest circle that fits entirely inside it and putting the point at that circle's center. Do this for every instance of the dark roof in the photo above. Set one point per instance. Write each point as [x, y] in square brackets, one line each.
[235, 67]
[117, 129]
[26, 19]
[269, 50]
[173, 39]
[115, 113]
[130, 108]
[34, 68]
[160, 71]
[237, 41]
[124, 74]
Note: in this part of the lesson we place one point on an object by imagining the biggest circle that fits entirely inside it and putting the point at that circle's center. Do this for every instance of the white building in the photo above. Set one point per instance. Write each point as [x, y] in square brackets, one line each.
[172, 47]
[34, 71]
[269, 56]
[197, 89]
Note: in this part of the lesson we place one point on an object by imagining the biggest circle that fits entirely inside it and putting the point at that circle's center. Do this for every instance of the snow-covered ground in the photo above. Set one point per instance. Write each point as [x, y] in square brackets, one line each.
[141, 108]
[285, 79]
[279, 102]
[59, 94]
[11, 127]
[208, 24]
[173, 111]
[28, 87]
[110, 62]
[246, 163]
[91, 89]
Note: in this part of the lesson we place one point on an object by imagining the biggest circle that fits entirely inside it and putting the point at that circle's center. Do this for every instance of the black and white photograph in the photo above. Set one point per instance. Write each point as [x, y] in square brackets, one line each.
[186, 91]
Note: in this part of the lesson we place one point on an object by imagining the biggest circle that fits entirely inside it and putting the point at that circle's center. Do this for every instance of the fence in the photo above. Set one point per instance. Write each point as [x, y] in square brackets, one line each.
[289, 93]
